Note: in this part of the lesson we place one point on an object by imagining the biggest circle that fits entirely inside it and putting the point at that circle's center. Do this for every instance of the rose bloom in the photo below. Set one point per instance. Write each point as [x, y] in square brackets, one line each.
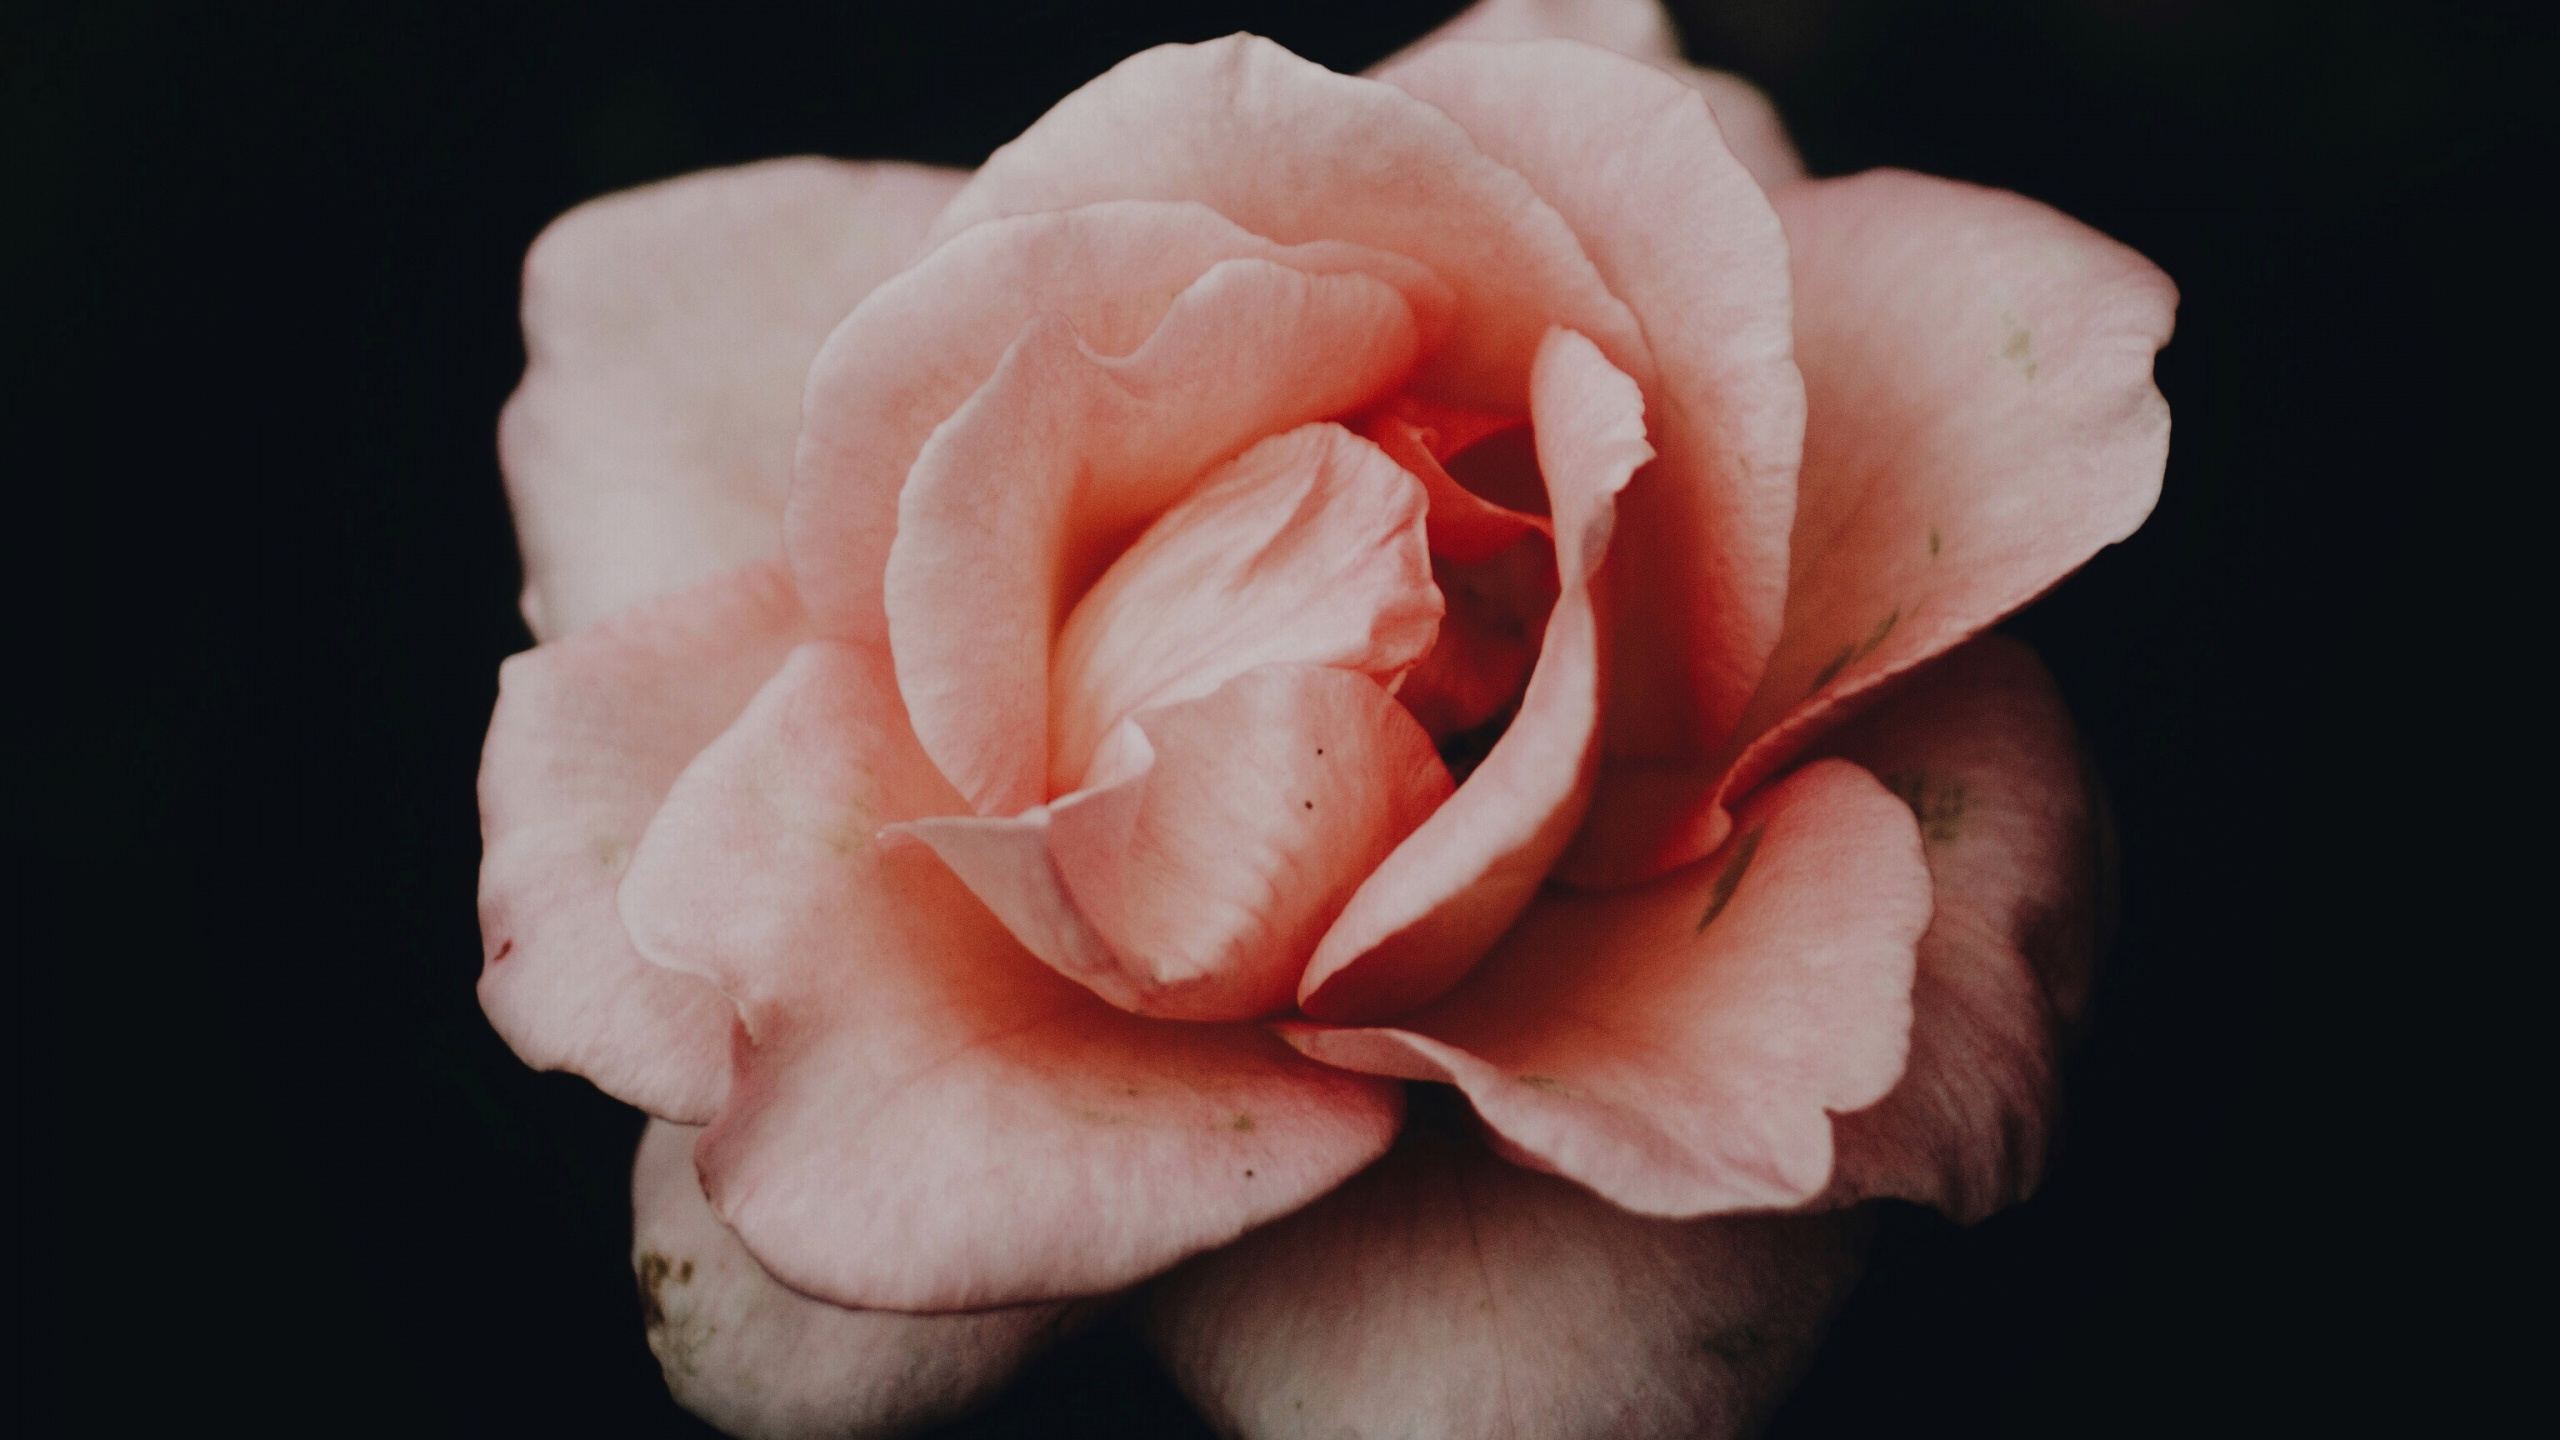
[1065, 691]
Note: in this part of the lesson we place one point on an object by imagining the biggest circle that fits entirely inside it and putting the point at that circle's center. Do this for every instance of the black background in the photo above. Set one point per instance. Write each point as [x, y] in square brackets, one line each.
[262, 267]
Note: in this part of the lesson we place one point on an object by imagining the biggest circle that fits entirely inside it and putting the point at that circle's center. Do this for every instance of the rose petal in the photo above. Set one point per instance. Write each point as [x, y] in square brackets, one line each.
[1680, 1048]
[764, 1362]
[924, 1117]
[1450, 890]
[1021, 495]
[1982, 421]
[1701, 558]
[1290, 150]
[1979, 745]
[667, 331]
[1443, 1292]
[1464, 526]
[588, 734]
[924, 342]
[1480, 663]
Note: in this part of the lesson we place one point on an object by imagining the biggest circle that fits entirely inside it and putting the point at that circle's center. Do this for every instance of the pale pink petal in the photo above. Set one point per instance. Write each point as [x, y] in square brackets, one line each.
[1682, 233]
[1440, 901]
[667, 332]
[925, 341]
[1445, 1293]
[1979, 746]
[1290, 150]
[1680, 1048]
[588, 734]
[1982, 421]
[1752, 127]
[924, 1117]
[1024, 494]
[764, 1362]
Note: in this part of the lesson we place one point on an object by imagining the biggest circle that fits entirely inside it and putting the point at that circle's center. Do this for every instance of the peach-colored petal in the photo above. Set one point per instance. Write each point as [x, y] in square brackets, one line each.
[1680, 1048]
[1290, 150]
[1022, 495]
[667, 331]
[764, 1362]
[1445, 1293]
[1681, 232]
[925, 341]
[588, 734]
[1464, 526]
[1306, 549]
[1978, 744]
[1440, 901]
[1480, 663]
[1982, 421]
[923, 1116]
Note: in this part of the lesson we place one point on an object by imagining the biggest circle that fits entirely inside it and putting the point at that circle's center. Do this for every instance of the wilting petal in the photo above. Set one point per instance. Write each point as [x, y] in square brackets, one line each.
[924, 1117]
[1022, 495]
[1290, 150]
[667, 331]
[1681, 1048]
[764, 1362]
[925, 341]
[1982, 421]
[1454, 885]
[1979, 746]
[588, 734]
[1700, 559]
[1443, 1292]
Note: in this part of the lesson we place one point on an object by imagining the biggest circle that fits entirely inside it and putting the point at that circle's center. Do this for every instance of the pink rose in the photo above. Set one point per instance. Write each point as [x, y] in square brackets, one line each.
[1062, 688]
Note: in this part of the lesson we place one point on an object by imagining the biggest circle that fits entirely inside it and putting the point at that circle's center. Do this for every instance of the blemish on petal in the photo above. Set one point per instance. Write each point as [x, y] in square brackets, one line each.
[1241, 1122]
[1729, 879]
[2019, 348]
[1550, 1084]
[1933, 542]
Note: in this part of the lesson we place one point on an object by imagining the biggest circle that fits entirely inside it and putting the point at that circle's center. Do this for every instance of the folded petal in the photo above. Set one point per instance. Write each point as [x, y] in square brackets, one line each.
[1982, 421]
[1443, 1292]
[1680, 1048]
[667, 332]
[1700, 561]
[1451, 889]
[925, 341]
[764, 1362]
[924, 1117]
[1979, 746]
[588, 734]
[1023, 495]
[1291, 150]
[1417, 435]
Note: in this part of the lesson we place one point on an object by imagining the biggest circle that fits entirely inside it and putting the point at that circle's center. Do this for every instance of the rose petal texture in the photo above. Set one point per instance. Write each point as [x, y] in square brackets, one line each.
[1444, 1292]
[1981, 420]
[667, 332]
[589, 733]
[764, 1362]
[923, 1116]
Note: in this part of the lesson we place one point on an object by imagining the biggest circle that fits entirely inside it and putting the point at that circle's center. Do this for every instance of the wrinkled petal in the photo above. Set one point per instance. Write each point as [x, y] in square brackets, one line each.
[764, 1362]
[588, 734]
[1440, 901]
[1464, 526]
[1021, 496]
[667, 331]
[1290, 150]
[923, 1116]
[1699, 562]
[1307, 549]
[1680, 1048]
[1979, 746]
[1445, 1293]
[925, 341]
[1982, 421]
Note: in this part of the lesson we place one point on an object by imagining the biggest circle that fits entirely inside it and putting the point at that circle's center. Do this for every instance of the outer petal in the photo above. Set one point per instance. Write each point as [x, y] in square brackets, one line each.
[1982, 422]
[1291, 150]
[1700, 564]
[764, 1362]
[924, 1117]
[1680, 1048]
[1446, 894]
[588, 734]
[1979, 746]
[1445, 1293]
[667, 332]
